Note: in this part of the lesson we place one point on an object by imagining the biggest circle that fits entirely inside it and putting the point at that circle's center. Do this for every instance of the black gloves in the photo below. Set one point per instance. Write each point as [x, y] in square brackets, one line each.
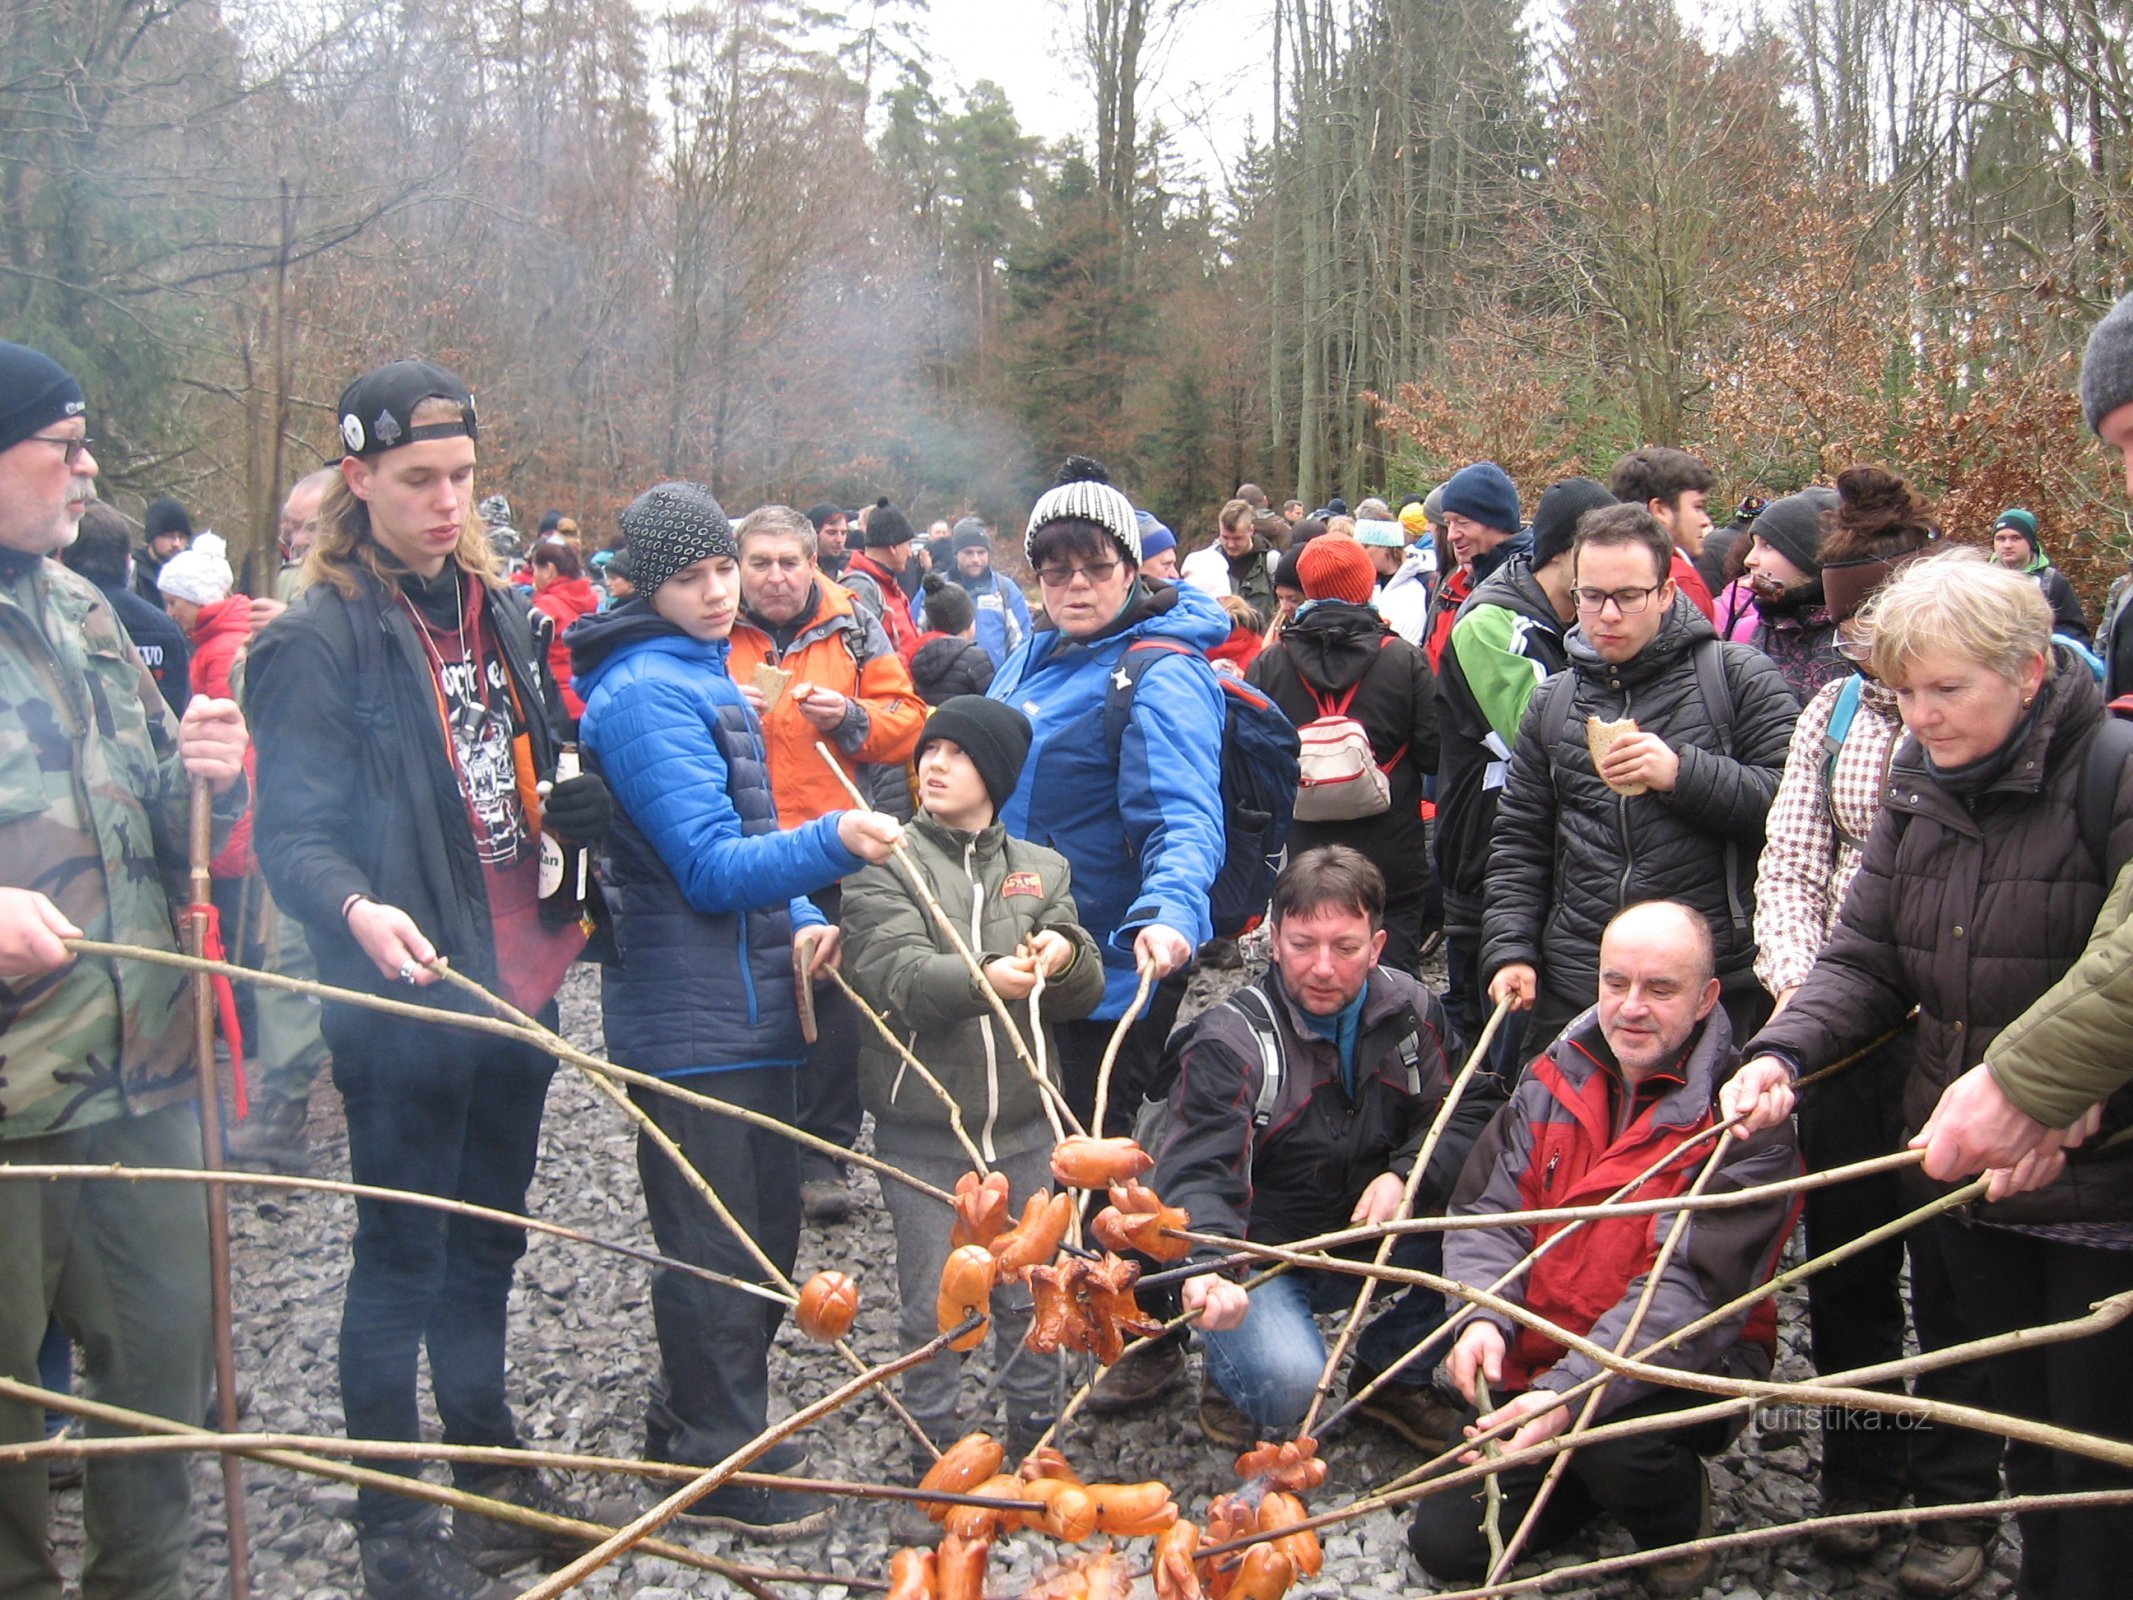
[579, 809]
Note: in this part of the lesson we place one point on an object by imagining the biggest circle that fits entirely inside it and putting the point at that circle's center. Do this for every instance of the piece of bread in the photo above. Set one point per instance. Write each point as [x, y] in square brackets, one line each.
[773, 682]
[1601, 737]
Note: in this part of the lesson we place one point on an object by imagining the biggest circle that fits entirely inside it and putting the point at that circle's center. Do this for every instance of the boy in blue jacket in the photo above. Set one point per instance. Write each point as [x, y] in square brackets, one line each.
[710, 921]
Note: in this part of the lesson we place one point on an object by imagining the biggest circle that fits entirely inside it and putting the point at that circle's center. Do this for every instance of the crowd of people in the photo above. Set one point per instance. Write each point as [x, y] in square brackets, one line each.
[1814, 826]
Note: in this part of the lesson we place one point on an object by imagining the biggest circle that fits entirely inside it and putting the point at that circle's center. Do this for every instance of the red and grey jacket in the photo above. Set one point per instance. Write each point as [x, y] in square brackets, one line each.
[1571, 1134]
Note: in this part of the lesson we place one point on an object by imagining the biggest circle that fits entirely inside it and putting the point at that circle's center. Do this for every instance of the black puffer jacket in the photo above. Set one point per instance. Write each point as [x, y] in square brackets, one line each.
[1568, 852]
[1330, 647]
[947, 665]
[1971, 911]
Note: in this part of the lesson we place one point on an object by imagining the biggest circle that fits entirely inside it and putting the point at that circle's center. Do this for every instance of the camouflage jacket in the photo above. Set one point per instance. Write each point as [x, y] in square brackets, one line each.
[93, 808]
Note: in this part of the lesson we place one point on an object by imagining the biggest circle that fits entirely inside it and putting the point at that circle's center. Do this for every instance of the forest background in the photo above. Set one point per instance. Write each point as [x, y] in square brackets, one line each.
[752, 243]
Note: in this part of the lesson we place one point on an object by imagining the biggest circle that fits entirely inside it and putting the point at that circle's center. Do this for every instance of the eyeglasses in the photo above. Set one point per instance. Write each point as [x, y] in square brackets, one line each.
[1626, 601]
[72, 447]
[1096, 572]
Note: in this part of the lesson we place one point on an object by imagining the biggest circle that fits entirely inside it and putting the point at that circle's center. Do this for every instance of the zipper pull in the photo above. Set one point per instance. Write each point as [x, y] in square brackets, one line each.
[1548, 1177]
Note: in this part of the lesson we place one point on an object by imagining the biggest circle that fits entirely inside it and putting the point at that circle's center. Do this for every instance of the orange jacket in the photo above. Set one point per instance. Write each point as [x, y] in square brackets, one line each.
[838, 648]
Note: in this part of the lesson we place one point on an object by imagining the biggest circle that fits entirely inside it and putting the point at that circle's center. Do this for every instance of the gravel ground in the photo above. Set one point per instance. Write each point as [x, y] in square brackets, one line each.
[582, 1353]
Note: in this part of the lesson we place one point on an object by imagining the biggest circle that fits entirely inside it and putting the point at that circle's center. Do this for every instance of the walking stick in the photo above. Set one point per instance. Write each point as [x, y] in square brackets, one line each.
[218, 1207]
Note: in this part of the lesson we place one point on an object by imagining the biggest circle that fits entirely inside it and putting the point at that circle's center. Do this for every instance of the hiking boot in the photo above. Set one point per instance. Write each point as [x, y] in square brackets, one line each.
[1687, 1575]
[1221, 955]
[496, 1546]
[1420, 1413]
[414, 1561]
[825, 1202]
[761, 1513]
[1848, 1544]
[1146, 1373]
[271, 1139]
[1225, 1426]
[1938, 1566]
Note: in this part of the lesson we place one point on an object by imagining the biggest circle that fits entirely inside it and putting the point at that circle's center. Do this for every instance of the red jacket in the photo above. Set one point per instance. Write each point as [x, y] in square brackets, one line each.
[1567, 1138]
[1240, 649]
[1690, 582]
[880, 593]
[218, 639]
[562, 603]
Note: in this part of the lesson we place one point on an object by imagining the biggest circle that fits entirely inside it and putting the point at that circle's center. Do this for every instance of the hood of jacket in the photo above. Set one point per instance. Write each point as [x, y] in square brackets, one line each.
[225, 619]
[568, 597]
[1684, 627]
[600, 640]
[1334, 642]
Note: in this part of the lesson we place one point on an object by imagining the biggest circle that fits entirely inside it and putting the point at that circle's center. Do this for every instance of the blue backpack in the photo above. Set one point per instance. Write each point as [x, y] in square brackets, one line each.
[1259, 775]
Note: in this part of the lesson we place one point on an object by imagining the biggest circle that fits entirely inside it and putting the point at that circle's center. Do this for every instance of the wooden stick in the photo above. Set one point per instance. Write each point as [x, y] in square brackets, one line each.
[1044, 1067]
[1118, 1037]
[925, 1075]
[623, 1539]
[1561, 1464]
[901, 854]
[406, 1197]
[1408, 1190]
[216, 1198]
[362, 1477]
[650, 1128]
[496, 1027]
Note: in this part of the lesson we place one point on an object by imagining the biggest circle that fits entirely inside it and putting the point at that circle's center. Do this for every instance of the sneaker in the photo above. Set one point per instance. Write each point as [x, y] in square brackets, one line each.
[271, 1139]
[1420, 1413]
[414, 1561]
[1687, 1575]
[787, 1458]
[1853, 1543]
[761, 1513]
[1146, 1373]
[826, 1201]
[1936, 1566]
[1225, 1426]
[497, 1546]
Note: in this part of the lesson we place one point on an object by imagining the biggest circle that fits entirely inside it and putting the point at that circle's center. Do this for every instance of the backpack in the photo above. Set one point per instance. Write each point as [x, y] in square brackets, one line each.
[1259, 777]
[1339, 778]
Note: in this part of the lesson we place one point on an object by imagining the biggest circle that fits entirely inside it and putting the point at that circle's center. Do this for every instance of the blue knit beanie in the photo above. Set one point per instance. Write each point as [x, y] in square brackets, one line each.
[1485, 493]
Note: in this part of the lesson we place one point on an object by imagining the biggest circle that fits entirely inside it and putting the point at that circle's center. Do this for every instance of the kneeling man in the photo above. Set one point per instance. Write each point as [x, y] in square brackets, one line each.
[1634, 1077]
[1299, 1106]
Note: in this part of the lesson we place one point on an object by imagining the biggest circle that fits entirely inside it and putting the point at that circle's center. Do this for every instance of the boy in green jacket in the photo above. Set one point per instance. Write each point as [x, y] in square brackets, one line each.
[1010, 901]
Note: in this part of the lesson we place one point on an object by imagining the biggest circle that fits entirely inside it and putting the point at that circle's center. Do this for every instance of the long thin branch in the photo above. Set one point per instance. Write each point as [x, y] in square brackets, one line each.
[369, 1191]
[496, 1027]
[925, 1074]
[1126, 1019]
[1368, 1287]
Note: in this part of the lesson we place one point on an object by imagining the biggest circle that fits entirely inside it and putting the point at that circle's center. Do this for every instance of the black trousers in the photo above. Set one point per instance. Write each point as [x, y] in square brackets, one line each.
[1998, 1281]
[1133, 1075]
[829, 1087]
[1855, 1310]
[443, 1113]
[1648, 1482]
[714, 1343]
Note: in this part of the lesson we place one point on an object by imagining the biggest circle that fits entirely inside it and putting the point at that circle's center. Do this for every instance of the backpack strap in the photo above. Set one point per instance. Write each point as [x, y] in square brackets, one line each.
[1133, 665]
[1556, 697]
[1833, 737]
[1251, 1004]
[2097, 802]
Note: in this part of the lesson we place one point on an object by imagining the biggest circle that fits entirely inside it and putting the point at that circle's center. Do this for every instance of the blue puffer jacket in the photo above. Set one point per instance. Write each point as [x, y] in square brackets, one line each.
[705, 890]
[1002, 613]
[1140, 825]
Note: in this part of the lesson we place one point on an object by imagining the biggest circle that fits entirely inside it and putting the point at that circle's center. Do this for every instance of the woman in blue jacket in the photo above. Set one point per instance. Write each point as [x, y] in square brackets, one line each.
[710, 919]
[1139, 819]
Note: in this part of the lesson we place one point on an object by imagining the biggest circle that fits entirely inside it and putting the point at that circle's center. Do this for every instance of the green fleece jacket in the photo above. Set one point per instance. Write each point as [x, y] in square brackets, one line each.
[2074, 1047]
[999, 891]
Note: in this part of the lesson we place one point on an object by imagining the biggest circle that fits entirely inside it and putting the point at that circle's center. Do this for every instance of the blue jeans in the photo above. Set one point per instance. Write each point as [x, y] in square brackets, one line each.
[1269, 1364]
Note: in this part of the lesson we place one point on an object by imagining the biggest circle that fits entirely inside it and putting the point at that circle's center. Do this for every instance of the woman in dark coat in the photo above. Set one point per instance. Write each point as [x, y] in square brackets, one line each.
[1980, 883]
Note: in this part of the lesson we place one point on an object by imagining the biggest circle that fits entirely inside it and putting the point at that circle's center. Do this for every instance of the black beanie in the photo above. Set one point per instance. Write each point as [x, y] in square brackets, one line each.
[163, 516]
[1792, 527]
[1555, 519]
[35, 392]
[887, 526]
[818, 515]
[1286, 573]
[671, 526]
[992, 733]
[948, 606]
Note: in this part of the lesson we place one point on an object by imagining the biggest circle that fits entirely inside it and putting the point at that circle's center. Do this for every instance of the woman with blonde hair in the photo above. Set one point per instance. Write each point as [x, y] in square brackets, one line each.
[2007, 813]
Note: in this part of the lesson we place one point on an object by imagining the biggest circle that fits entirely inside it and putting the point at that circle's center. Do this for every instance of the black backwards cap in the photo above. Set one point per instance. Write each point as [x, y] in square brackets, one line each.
[377, 410]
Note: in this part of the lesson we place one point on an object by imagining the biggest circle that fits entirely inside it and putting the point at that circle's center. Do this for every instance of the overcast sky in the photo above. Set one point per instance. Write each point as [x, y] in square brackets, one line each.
[1214, 81]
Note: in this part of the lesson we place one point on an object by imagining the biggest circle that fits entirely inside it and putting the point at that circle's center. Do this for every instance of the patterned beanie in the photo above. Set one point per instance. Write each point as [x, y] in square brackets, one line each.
[1084, 491]
[671, 526]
